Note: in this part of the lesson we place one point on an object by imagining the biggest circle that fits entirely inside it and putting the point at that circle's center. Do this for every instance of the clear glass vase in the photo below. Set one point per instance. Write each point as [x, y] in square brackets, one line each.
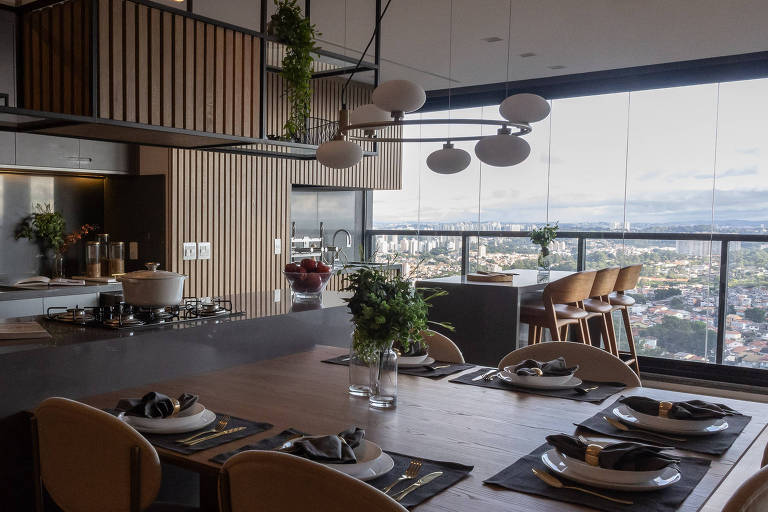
[543, 264]
[383, 379]
[57, 265]
[359, 375]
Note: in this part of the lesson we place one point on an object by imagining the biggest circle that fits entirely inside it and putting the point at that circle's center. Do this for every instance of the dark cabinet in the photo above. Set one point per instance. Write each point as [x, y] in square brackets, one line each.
[106, 156]
[46, 151]
[8, 57]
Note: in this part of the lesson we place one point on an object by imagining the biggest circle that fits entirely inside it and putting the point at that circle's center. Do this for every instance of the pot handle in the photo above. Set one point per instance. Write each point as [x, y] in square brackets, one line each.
[153, 266]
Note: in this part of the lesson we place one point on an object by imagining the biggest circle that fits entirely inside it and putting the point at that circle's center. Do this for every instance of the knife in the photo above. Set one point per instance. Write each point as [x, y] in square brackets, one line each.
[421, 481]
[217, 434]
[484, 375]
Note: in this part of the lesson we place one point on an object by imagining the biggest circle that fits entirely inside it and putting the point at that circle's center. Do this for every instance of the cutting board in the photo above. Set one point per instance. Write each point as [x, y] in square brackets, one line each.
[491, 278]
[22, 331]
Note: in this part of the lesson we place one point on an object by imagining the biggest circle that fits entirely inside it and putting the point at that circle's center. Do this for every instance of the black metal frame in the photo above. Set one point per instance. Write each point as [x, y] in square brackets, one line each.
[710, 371]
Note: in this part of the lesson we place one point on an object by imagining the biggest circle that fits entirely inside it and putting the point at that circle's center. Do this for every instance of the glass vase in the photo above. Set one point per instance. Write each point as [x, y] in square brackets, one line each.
[383, 379]
[543, 264]
[359, 375]
[57, 265]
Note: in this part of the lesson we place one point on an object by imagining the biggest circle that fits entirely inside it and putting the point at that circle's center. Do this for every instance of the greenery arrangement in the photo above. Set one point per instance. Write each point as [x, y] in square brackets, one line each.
[386, 308]
[298, 34]
[544, 236]
[44, 226]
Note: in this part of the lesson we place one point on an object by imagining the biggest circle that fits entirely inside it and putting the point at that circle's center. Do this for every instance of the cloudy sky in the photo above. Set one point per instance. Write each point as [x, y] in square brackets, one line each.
[673, 153]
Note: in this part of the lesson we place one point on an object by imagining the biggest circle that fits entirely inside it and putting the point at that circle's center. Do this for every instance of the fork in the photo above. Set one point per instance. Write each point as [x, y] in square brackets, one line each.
[220, 425]
[491, 376]
[412, 471]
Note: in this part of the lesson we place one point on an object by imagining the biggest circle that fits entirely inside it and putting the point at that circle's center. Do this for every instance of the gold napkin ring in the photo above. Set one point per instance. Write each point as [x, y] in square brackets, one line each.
[592, 454]
[664, 408]
[538, 371]
[176, 407]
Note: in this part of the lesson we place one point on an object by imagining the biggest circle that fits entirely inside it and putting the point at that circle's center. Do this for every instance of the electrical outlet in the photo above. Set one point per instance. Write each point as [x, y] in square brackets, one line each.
[203, 250]
[278, 245]
[190, 251]
[133, 250]
[277, 295]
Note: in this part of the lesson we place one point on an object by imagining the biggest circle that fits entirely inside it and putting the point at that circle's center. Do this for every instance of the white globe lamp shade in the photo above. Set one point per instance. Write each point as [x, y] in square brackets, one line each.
[524, 108]
[369, 113]
[339, 154]
[502, 149]
[399, 96]
[448, 160]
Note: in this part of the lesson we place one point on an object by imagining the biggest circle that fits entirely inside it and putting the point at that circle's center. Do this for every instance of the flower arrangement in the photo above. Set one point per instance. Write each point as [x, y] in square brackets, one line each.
[44, 226]
[544, 236]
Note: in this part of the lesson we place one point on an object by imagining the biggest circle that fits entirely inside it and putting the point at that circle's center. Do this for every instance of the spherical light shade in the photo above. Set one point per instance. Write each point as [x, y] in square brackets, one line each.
[448, 160]
[339, 154]
[399, 96]
[524, 108]
[502, 150]
[369, 113]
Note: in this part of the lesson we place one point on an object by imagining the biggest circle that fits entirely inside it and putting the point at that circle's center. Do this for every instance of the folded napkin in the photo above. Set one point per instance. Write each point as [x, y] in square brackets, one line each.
[690, 410]
[336, 449]
[625, 456]
[154, 405]
[553, 368]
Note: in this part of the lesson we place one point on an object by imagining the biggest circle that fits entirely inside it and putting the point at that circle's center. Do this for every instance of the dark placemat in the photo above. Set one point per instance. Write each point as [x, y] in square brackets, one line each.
[168, 441]
[419, 371]
[715, 444]
[518, 477]
[269, 443]
[604, 390]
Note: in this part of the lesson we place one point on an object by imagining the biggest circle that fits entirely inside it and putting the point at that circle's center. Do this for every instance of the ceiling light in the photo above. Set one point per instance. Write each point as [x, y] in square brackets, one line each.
[399, 96]
[339, 153]
[448, 160]
[502, 149]
[556, 67]
[524, 108]
[369, 113]
[492, 39]
[527, 54]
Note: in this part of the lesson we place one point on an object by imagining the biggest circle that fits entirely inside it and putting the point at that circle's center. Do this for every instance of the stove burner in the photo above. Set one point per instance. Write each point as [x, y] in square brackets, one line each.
[76, 315]
[125, 320]
[207, 307]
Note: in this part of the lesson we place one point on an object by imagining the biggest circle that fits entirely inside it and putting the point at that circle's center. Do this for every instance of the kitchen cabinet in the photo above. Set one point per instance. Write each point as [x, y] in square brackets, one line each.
[46, 151]
[7, 148]
[83, 300]
[105, 156]
[8, 56]
[22, 307]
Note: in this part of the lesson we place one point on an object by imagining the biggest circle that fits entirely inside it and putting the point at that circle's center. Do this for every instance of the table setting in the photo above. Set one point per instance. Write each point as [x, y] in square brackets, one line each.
[546, 378]
[419, 366]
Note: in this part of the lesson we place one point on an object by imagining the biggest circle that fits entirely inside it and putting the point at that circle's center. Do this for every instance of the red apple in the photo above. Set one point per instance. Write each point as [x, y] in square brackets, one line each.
[313, 282]
[292, 267]
[309, 264]
[323, 268]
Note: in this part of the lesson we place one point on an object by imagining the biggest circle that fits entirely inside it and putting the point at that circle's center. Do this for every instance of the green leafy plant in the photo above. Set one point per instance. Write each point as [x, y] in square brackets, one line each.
[298, 34]
[544, 236]
[44, 226]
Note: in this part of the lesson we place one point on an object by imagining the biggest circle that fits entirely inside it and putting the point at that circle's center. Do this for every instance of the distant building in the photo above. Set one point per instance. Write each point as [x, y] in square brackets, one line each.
[481, 251]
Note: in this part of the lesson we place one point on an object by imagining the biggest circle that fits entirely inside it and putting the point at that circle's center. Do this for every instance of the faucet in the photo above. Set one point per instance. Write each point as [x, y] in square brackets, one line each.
[349, 237]
[336, 251]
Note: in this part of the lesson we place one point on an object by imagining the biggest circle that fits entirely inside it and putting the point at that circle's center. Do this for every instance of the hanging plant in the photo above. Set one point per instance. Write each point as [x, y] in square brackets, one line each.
[298, 34]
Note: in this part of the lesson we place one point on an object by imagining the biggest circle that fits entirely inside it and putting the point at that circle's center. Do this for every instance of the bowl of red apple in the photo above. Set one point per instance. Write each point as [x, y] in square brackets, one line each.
[308, 279]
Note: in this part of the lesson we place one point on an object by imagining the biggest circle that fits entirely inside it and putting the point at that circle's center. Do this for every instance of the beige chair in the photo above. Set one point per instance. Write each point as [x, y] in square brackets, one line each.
[560, 308]
[751, 496]
[598, 305]
[266, 481]
[442, 348]
[594, 363]
[90, 461]
[626, 280]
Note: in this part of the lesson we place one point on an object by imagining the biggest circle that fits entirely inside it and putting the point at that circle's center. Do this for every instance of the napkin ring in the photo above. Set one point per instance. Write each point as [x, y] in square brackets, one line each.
[592, 454]
[538, 371]
[176, 407]
[664, 408]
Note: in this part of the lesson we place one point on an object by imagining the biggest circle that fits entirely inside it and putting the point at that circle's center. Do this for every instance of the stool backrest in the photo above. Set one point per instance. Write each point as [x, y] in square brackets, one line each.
[628, 277]
[572, 288]
[605, 280]
[442, 348]
[751, 496]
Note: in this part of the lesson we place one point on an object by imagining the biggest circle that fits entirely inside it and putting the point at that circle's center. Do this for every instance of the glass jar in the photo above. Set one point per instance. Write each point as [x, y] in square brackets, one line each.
[359, 375]
[116, 258]
[383, 369]
[92, 263]
[103, 239]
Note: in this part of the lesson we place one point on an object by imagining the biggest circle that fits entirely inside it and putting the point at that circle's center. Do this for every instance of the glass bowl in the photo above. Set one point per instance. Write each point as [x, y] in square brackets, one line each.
[307, 286]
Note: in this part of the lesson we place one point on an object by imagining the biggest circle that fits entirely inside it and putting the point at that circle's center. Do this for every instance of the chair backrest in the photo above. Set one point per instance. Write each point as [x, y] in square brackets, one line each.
[85, 458]
[442, 348]
[751, 496]
[605, 280]
[572, 288]
[594, 363]
[273, 481]
[627, 278]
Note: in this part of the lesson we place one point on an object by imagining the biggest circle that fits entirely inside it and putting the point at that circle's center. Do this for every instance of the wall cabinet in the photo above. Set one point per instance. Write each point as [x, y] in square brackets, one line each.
[30, 150]
[46, 151]
[7, 148]
[106, 156]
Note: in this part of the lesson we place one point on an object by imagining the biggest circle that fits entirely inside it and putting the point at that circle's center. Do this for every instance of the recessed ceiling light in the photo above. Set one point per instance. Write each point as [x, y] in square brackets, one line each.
[556, 67]
[492, 39]
[527, 54]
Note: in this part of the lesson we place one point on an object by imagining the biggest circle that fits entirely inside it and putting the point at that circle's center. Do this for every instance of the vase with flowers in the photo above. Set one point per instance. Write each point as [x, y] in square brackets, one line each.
[542, 237]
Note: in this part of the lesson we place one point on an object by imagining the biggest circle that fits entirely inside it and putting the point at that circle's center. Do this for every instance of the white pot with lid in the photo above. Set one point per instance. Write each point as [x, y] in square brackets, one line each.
[152, 287]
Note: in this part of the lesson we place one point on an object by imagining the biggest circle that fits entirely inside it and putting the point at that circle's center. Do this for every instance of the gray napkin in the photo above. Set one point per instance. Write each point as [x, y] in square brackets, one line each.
[553, 368]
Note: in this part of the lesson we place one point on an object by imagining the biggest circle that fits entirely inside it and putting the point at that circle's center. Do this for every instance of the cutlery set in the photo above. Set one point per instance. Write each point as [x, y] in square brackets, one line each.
[410, 473]
[217, 431]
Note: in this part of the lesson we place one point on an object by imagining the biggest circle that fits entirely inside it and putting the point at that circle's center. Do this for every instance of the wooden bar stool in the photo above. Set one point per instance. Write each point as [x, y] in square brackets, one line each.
[598, 305]
[627, 280]
[561, 307]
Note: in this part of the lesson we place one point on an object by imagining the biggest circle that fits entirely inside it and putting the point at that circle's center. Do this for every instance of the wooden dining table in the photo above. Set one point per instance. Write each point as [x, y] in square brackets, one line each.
[435, 419]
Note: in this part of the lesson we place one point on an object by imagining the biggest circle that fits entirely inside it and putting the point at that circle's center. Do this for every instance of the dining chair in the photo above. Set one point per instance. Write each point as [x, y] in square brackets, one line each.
[273, 481]
[620, 301]
[751, 496]
[441, 347]
[90, 461]
[598, 305]
[560, 308]
[594, 363]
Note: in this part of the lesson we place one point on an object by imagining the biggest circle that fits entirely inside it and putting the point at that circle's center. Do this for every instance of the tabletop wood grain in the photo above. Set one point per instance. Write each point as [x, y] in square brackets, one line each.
[435, 419]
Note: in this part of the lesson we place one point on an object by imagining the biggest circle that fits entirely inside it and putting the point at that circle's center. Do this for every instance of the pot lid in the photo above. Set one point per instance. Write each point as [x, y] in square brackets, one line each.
[152, 272]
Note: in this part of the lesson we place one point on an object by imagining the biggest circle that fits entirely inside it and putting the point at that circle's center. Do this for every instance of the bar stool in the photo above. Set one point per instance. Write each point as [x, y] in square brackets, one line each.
[598, 305]
[561, 307]
[627, 280]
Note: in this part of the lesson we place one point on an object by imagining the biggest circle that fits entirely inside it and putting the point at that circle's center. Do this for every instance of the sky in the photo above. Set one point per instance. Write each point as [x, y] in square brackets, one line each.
[684, 155]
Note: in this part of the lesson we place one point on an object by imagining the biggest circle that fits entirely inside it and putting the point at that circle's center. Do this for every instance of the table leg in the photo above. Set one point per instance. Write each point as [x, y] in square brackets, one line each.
[209, 493]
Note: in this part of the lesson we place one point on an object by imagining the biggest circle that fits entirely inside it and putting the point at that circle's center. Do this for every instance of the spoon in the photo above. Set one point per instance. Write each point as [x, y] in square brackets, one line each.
[554, 482]
[583, 391]
[619, 425]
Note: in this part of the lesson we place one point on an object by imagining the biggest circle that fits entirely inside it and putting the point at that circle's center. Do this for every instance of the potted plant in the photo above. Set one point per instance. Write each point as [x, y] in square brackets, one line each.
[298, 35]
[386, 310]
[542, 237]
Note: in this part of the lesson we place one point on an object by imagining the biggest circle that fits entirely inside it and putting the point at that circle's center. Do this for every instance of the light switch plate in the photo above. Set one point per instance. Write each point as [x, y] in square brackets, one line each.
[190, 251]
[203, 250]
[277, 295]
[278, 245]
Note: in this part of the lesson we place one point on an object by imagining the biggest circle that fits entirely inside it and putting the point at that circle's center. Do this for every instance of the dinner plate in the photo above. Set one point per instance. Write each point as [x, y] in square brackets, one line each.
[557, 463]
[401, 360]
[609, 475]
[549, 380]
[428, 360]
[671, 426]
[537, 382]
[189, 416]
[205, 419]
[371, 462]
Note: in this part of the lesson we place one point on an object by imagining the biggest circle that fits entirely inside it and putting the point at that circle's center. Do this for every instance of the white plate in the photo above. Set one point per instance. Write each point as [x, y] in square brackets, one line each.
[548, 380]
[412, 359]
[671, 423]
[537, 382]
[630, 416]
[189, 416]
[557, 463]
[616, 476]
[371, 462]
[428, 360]
[205, 419]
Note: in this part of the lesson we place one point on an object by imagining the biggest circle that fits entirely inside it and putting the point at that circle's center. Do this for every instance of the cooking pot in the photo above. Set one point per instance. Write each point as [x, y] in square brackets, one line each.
[152, 287]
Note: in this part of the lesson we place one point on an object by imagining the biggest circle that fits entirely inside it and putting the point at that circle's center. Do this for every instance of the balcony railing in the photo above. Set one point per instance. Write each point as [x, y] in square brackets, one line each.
[711, 287]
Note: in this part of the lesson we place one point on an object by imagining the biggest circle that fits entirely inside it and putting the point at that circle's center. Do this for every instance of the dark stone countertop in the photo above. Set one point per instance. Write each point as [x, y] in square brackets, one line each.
[37, 292]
